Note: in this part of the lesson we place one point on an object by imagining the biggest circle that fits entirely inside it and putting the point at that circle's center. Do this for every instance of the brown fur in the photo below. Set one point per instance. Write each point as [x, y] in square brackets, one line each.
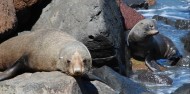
[46, 50]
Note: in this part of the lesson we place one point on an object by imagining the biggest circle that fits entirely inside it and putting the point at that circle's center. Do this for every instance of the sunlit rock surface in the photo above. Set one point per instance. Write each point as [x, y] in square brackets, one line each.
[51, 83]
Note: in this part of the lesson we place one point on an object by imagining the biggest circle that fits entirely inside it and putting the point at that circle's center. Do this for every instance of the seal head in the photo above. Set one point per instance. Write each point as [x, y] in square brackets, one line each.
[143, 29]
[77, 59]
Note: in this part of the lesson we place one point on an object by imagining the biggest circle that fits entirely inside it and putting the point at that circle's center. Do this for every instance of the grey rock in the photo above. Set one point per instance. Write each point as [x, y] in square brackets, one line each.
[182, 24]
[149, 77]
[87, 21]
[52, 83]
[177, 23]
[185, 61]
[121, 84]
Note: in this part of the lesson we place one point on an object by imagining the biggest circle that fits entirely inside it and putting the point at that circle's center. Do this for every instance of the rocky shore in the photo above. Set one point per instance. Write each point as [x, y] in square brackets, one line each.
[99, 24]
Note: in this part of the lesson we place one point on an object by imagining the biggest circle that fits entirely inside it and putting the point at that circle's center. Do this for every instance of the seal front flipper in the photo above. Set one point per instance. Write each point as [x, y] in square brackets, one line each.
[10, 72]
[151, 64]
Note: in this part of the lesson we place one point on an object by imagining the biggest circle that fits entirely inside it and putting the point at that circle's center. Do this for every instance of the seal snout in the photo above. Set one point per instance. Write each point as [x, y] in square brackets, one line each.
[77, 65]
[77, 71]
[153, 32]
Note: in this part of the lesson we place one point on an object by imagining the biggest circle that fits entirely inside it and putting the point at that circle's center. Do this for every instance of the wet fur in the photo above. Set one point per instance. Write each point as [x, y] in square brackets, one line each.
[147, 45]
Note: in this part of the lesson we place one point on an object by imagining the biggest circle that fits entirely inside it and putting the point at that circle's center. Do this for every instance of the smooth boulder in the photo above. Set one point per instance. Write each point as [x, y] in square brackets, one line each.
[52, 83]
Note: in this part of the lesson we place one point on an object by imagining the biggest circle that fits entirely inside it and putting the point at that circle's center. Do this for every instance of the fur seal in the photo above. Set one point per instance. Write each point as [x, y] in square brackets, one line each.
[44, 50]
[146, 44]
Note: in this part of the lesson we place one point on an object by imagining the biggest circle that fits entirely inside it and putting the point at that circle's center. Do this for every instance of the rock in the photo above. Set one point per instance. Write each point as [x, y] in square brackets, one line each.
[185, 61]
[151, 2]
[52, 83]
[186, 40]
[178, 23]
[140, 66]
[131, 16]
[137, 3]
[29, 12]
[185, 89]
[22, 4]
[87, 20]
[149, 77]
[164, 19]
[8, 19]
[16, 16]
[121, 84]
[7, 15]
[182, 24]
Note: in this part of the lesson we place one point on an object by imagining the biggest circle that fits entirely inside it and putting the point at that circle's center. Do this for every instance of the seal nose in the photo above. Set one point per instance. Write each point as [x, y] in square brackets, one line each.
[77, 71]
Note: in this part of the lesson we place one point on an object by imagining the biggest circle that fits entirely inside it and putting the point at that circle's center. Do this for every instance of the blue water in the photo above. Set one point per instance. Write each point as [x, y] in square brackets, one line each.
[173, 9]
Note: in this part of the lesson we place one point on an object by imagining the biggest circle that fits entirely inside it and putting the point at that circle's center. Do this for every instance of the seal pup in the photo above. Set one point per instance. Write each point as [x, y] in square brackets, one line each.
[147, 45]
[44, 50]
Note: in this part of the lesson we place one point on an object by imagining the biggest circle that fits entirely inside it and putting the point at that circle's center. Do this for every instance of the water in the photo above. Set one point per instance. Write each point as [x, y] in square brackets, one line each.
[179, 75]
[173, 9]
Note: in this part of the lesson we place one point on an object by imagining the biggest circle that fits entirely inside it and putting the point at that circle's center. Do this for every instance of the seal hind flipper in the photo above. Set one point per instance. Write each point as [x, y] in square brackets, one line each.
[15, 69]
[10, 72]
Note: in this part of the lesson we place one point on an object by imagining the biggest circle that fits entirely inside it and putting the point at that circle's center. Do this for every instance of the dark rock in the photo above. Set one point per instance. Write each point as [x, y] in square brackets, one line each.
[149, 77]
[52, 83]
[28, 12]
[182, 24]
[131, 16]
[121, 84]
[178, 23]
[137, 3]
[185, 61]
[185, 89]
[87, 21]
[186, 40]
[164, 19]
[18, 15]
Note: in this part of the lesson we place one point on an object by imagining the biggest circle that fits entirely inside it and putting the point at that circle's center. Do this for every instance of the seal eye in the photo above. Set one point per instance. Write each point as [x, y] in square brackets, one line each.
[68, 61]
[84, 61]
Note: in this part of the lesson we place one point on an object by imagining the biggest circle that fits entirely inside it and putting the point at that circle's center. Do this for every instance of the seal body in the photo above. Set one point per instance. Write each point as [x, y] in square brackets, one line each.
[146, 44]
[44, 50]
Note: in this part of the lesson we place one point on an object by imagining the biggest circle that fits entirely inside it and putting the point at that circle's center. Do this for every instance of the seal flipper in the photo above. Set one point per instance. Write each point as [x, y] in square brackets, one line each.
[10, 72]
[151, 64]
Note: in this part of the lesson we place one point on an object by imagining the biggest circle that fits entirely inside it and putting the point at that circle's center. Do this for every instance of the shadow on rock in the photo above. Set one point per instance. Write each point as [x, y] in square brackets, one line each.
[120, 84]
[86, 87]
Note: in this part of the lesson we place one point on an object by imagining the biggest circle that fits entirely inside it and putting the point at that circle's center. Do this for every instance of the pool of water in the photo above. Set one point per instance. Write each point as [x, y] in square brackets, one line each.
[173, 9]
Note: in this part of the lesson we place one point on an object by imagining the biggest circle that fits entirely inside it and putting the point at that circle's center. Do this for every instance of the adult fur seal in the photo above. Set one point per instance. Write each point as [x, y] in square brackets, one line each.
[44, 50]
[146, 44]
